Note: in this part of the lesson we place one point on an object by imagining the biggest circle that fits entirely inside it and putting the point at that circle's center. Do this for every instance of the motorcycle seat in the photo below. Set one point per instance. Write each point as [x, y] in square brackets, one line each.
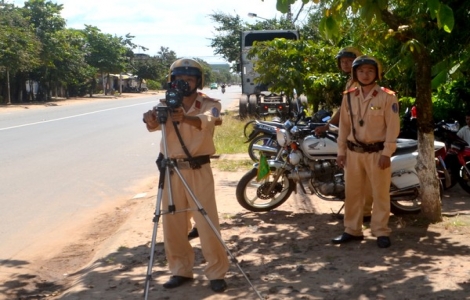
[405, 146]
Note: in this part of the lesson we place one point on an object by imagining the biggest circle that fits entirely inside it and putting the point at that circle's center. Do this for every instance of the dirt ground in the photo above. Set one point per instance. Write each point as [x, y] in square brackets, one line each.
[285, 254]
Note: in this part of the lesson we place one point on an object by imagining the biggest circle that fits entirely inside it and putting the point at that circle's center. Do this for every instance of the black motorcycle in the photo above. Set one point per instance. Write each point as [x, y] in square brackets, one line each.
[262, 138]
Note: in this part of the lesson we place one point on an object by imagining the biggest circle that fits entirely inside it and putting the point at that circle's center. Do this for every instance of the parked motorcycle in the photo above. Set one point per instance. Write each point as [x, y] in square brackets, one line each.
[263, 135]
[409, 130]
[457, 158]
[311, 161]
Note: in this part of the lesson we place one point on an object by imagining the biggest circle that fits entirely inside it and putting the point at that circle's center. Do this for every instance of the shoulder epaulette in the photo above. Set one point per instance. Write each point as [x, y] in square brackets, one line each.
[205, 97]
[350, 90]
[390, 92]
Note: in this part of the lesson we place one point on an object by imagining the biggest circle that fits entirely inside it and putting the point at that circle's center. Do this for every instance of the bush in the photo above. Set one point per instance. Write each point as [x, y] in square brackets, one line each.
[154, 85]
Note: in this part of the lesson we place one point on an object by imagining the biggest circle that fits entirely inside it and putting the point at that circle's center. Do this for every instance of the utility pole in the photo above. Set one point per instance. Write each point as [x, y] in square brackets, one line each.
[8, 87]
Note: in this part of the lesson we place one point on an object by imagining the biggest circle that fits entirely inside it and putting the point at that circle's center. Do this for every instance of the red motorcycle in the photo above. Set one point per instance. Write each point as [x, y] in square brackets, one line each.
[457, 158]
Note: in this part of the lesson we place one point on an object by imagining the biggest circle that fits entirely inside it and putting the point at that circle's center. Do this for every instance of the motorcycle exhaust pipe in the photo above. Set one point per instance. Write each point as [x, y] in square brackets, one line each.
[265, 148]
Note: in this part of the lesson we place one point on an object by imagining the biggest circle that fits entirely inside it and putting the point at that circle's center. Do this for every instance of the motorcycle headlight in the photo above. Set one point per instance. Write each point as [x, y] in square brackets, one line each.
[282, 137]
[295, 157]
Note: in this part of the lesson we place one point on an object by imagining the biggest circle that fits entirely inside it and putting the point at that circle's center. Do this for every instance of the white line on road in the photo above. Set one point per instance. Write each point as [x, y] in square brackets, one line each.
[74, 116]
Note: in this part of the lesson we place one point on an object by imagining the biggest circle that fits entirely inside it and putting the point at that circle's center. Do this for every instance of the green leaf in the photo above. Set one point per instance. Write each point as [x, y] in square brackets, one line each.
[439, 79]
[433, 7]
[445, 18]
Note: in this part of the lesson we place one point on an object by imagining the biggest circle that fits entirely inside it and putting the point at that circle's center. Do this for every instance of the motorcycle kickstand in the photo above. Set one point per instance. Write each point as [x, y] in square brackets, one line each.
[337, 214]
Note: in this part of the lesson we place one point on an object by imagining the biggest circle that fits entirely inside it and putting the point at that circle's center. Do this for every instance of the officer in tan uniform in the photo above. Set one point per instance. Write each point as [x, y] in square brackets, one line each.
[195, 118]
[368, 129]
[344, 59]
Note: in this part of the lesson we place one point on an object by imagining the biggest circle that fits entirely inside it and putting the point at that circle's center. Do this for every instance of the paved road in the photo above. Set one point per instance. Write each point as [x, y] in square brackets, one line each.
[60, 162]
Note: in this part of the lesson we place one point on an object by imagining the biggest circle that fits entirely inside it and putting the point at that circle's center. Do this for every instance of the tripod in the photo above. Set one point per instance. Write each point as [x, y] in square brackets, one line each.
[169, 165]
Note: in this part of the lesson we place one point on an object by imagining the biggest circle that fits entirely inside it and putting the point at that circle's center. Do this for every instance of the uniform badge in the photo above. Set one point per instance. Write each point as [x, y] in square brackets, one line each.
[374, 93]
[198, 104]
[215, 112]
[395, 107]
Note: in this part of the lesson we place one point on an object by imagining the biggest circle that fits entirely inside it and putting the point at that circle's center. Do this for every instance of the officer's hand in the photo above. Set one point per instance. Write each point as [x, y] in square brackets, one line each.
[150, 118]
[321, 129]
[177, 115]
[341, 161]
[384, 162]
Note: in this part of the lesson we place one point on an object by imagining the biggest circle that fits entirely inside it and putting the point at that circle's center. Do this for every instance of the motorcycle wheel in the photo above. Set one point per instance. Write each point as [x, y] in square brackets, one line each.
[252, 196]
[408, 207]
[262, 140]
[464, 177]
[248, 125]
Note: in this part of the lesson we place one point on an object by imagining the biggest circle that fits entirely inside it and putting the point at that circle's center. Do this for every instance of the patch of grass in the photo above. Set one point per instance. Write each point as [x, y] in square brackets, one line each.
[456, 222]
[229, 137]
[232, 165]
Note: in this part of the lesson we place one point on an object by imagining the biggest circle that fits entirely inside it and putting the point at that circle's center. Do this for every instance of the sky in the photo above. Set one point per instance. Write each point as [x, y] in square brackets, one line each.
[183, 26]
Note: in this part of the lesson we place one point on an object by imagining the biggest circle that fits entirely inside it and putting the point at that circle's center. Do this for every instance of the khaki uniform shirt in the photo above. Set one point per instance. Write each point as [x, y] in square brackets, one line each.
[379, 113]
[198, 141]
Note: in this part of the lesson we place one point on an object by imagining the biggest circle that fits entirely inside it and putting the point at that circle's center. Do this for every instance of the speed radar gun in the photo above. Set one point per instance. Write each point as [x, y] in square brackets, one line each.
[173, 99]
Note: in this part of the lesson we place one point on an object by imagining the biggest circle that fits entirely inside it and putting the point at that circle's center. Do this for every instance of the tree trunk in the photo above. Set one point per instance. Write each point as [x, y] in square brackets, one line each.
[426, 166]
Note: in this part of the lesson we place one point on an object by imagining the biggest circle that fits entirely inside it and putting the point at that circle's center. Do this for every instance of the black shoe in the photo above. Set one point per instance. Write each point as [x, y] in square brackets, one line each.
[346, 237]
[193, 234]
[175, 281]
[383, 242]
[218, 285]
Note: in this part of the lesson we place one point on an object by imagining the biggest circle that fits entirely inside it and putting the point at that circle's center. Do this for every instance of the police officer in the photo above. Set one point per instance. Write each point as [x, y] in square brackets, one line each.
[196, 119]
[344, 60]
[368, 128]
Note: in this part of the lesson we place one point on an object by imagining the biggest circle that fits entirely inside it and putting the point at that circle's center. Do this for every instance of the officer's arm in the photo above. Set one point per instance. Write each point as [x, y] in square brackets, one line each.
[194, 121]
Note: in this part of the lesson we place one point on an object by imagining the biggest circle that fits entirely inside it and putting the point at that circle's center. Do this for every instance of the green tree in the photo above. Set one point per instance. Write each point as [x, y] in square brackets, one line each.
[19, 48]
[44, 17]
[105, 52]
[165, 57]
[303, 65]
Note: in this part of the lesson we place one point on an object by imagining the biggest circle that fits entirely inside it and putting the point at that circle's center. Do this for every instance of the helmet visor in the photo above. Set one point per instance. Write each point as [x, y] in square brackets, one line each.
[190, 71]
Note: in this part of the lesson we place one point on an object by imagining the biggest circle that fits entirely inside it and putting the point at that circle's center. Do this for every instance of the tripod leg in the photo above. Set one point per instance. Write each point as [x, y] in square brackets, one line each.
[214, 229]
[156, 219]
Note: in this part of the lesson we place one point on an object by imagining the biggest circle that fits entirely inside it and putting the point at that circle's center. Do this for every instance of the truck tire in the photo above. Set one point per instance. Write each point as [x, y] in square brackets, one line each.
[242, 107]
[253, 105]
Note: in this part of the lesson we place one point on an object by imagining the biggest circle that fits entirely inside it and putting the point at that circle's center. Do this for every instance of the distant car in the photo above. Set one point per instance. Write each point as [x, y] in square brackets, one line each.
[214, 86]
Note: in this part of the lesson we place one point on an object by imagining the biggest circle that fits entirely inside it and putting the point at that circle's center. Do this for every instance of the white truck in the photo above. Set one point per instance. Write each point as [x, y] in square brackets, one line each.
[256, 100]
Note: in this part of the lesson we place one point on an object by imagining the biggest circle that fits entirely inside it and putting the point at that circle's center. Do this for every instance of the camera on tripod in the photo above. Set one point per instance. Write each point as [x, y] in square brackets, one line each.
[177, 89]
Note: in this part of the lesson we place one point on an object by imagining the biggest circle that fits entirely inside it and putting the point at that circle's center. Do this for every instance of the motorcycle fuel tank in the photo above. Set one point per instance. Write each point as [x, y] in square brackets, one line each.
[314, 147]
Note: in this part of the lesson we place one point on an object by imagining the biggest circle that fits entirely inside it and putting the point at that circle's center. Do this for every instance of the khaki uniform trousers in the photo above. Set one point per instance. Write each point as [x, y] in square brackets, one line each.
[178, 250]
[368, 198]
[360, 169]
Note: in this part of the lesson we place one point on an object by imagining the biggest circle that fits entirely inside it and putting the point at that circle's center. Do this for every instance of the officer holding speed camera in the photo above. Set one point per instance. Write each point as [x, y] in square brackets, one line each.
[189, 139]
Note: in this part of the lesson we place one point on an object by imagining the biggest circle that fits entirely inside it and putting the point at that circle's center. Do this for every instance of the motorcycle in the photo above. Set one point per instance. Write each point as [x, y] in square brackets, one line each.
[448, 168]
[311, 161]
[457, 157]
[263, 135]
[223, 89]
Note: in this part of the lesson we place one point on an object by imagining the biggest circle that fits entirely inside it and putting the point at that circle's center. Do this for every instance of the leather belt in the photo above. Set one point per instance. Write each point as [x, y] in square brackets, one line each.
[192, 163]
[369, 148]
